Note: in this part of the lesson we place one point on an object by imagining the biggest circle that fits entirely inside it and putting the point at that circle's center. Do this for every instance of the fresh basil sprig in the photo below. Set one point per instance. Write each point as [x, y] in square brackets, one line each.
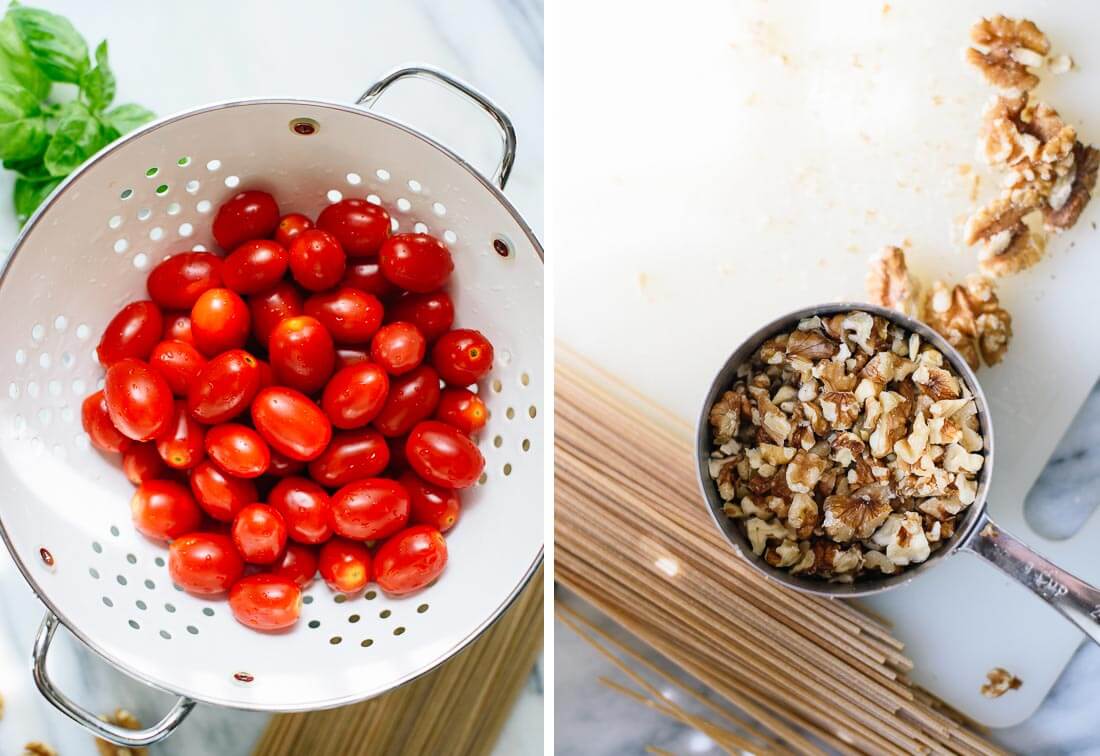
[42, 139]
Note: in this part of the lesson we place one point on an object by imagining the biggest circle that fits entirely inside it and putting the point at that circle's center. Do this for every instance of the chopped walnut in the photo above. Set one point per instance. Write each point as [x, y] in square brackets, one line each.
[889, 283]
[969, 316]
[38, 748]
[999, 681]
[904, 538]
[849, 517]
[1011, 46]
[760, 531]
[1059, 217]
[804, 471]
[122, 718]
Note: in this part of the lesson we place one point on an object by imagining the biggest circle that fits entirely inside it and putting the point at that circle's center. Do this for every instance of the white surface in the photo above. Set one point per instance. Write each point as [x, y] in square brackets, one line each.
[243, 61]
[752, 168]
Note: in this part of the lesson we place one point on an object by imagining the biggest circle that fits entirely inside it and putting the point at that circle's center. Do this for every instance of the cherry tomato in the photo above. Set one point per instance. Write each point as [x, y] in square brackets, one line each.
[431, 505]
[290, 225]
[462, 357]
[259, 533]
[225, 387]
[265, 601]
[417, 262]
[299, 564]
[180, 445]
[348, 357]
[443, 455]
[177, 327]
[369, 509]
[316, 260]
[304, 506]
[410, 560]
[247, 215]
[433, 313]
[398, 347]
[204, 563]
[142, 462]
[139, 400]
[269, 308]
[133, 332]
[413, 397]
[163, 509]
[179, 362]
[350, 315]
[344, 565]
[221, 496]
[367, 276]
[463, 409]
[255, 266]
[358, 225]
[282, 467]
[291, 423]
[178, 282]
[219, 321]
[238, 450]
[302, 354]
[97, 424]
[355, 394]
[350, 455]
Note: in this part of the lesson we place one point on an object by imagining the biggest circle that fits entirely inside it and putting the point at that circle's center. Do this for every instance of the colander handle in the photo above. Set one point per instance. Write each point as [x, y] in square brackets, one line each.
[120, 736]
[507, 132]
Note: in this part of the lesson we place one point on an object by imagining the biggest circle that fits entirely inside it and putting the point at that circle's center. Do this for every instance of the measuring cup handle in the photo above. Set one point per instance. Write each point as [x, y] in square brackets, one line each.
[507, 132]
[1078, 601]
[120, 736]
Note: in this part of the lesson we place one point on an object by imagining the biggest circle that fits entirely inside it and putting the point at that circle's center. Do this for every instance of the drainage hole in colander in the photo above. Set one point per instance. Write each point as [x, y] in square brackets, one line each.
[307, 599]
[141, 605]
[131, 559]
[83, 331]
[366, 643]
[165, 634]
[526, 445]
[524, 379]
[382, 174]
[159, 561]
[532, 411]
[439, 209]
[96, 547]
[156, 233]
[374, 199]
[150, 584]
[314, 624]
[121, 579]
[334, 195]
[208, 611]
[510, 413]
[115, 221]
[199, 248]
[403, 205]
[114, 530]
[66, 410]
[498, 441]
[420, 228]
[394, 224]
[173, 209]
[68, 359]
[450, 236]
[339, 598]
[203, 206]
[354, 179]
[232, 181]
[414, 186]
[44, 360]
[141, 261]
[144, 214]
[192, 629]
[79, 386]
[192, 186]
[186, 229]
[170, 608]
[353, 618]
[399, 631]
[20, 357]
[13, 390]
[152, 172]
[121, 246]
[497, 386]
[38, 332]
[94, 573]
[335, 640]
[385, 613]
[134, 624]
[162, 190]
[507, 468]
[107, 602]
[213, 165]
[370, 595]
[484, 477]
[183, 162]
[126, 194]
[422, 608]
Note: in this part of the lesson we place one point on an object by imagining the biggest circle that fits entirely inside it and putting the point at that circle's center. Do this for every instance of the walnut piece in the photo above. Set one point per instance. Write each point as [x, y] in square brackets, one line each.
[849, 517]
[970, 317]
[725, 417]
[889, 283]
[999, 681]
[1011, 46]
[1060, 217]
[122, 718]
[38, 748]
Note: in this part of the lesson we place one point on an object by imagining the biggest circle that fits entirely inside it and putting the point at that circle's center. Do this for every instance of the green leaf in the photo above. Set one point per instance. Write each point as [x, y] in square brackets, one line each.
[55, 45]
[16, 64]
[125, 118]
[98, 85]
[23, 133]
[29, 194]
[79, 135]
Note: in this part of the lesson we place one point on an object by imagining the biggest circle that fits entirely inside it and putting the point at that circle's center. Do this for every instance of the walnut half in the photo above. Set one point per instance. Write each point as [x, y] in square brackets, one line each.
[1011, 46]
[889, 283]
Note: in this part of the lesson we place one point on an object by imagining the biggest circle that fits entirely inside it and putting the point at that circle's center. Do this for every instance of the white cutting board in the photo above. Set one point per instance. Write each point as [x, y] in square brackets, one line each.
[734, 163]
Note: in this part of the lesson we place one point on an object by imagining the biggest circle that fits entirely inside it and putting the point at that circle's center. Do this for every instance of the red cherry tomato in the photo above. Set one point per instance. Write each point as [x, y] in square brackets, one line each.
[177, 327]
[316, 260]
[417, 262]
[269, 308]
[369, 509]
[344, 565]
[398, 347]
[358, 225]
[259, 533]
[413, 397]
[178, 282]
[139, 400]
[290, 225]
[225, 387]
[462, 357]
[255, 266]
[350, 315]
[304, 506]
[221, 496]
[443, 455]
[410, 560]
[219, 321]
[355, 394]
[291, 423]
[265, 601]
[302, 354]
[463, 409]
[299, 564]
[238, 450]
[97, 424]
[142, 462]
[204, 563]
[350, 455]
[433, 313]
[163, 509]
[179, 362]
[180, 445]
[348, 357]
[431, 505]
[247, 215]
[367, 276]
[133, 332]
[282, 467]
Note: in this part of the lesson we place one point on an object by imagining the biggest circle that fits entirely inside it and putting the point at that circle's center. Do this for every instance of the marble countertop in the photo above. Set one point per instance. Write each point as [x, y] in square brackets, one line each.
[186, 54]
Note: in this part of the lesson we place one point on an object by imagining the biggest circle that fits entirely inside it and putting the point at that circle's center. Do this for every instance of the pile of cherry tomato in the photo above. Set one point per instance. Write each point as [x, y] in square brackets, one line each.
[299, 405]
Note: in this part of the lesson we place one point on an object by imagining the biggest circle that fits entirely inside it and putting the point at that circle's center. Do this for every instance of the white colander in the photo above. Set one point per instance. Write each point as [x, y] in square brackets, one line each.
[64, 511]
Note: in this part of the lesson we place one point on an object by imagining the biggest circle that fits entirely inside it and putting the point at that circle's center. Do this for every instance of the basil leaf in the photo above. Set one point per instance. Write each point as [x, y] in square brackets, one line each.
[98, 85]
[79, 135]
[55, 45]
[125, 118]
[29, 194]
[16, 65]
[23, 133]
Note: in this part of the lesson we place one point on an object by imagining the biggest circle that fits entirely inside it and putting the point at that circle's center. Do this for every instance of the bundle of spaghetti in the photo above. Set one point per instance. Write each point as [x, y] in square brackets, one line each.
[633, 538]
[459, 708]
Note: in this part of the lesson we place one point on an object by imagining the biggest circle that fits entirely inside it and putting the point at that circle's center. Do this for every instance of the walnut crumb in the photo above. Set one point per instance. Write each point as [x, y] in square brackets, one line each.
[999, 681]
[988, 531]
[1060, 64]
[38, 748]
